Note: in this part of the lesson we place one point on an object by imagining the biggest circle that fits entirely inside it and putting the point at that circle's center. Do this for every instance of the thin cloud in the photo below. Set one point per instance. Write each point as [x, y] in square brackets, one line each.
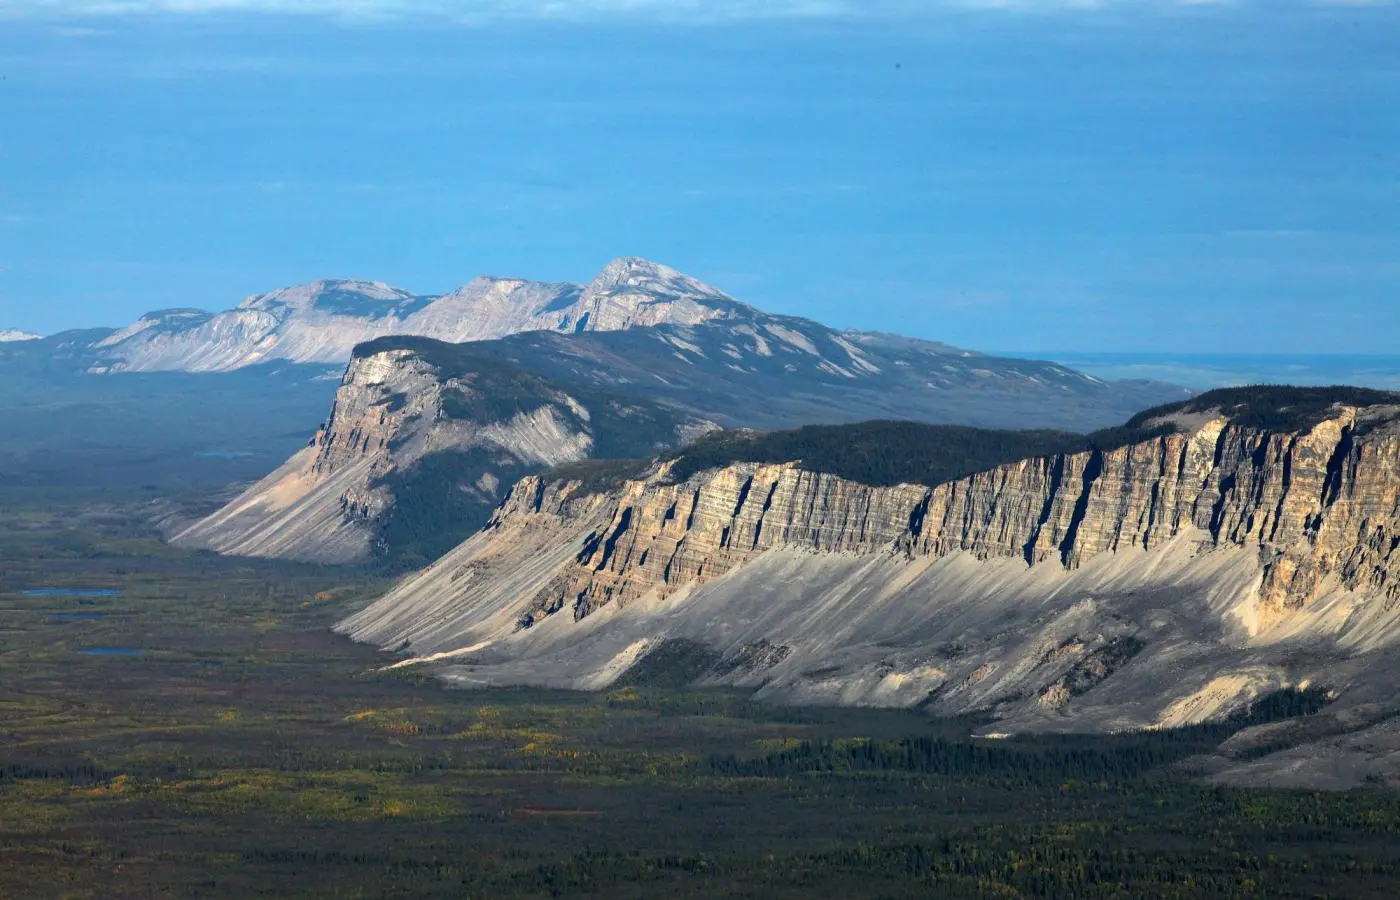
[471, 10]
[958, 301]
[468, 11]
[1271, 233]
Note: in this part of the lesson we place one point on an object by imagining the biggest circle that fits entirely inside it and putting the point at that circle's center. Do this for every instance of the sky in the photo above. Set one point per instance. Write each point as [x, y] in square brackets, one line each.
[1014, 176]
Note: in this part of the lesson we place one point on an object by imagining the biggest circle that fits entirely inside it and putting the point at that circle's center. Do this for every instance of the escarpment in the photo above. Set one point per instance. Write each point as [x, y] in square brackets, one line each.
[318, 504]
[1155, 581]
[1316, 506]
[401, 425]
[643, 359]
[463, 421]
[660, 536]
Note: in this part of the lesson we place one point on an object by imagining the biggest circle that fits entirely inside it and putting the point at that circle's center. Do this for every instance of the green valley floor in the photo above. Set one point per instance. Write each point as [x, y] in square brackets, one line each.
[181, 725]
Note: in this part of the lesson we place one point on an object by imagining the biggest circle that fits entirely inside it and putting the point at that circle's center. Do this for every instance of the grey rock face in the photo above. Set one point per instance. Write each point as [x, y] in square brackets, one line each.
[616, 341]
[395, 408]
[750, 370]
[1305, 504]
[1163, 583]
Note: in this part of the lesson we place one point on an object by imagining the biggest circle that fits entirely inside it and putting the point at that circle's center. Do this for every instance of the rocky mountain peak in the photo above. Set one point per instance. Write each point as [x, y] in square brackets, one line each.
[630, 273]
[338, 296]
[322, 321]
[504, 285]
[11, 335]
[159, 321]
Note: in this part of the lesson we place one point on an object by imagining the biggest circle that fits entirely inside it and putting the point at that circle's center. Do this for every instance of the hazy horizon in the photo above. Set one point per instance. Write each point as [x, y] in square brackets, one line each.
[1120, 176]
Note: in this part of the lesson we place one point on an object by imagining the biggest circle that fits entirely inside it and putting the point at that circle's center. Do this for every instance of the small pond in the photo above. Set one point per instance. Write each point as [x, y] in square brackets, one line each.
[71, 592]
[111, 651]
[76, 617]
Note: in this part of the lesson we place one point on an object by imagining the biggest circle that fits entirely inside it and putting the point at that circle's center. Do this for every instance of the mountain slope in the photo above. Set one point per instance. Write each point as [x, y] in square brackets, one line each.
[10, 335]
[324, 320]
[1245, 543]
[63, 354]
[750, 369]
[443, 428]
[765, 371]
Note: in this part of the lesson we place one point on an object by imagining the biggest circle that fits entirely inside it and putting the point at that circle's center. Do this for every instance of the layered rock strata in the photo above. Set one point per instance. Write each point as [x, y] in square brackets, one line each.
[1158, 584]
[1318, 507]
[389, 413]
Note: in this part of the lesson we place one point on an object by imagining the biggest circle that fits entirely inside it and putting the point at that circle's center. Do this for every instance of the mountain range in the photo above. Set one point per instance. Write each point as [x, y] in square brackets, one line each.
[580, 483]
[639, 339]
[634, 300]
[323, 321]
[425, 437]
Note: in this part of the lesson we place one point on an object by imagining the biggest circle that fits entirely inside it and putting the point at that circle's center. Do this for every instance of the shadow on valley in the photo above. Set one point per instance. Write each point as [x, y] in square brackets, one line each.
[1031, 760]
[115, 438]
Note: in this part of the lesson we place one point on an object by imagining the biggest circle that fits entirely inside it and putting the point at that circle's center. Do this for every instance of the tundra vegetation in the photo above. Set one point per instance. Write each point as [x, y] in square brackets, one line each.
[243, 750]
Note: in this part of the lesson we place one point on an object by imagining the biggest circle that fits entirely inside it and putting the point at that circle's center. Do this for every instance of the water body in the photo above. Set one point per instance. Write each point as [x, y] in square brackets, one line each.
[76, 617]
[223, 454]
[71, 592]
[1210, 370]
[112, 651]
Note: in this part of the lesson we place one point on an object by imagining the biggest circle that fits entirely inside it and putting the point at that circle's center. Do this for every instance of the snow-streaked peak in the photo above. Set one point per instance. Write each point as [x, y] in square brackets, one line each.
[160, 320]
[11, 335]
[322, 321]
[632, 273]
[335, 296]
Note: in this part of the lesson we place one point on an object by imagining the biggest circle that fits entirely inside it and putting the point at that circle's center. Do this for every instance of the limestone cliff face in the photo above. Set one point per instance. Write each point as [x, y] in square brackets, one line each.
[393, 409]
[366, 418]
[1159, 584]
[1321, 508]
[662, 536]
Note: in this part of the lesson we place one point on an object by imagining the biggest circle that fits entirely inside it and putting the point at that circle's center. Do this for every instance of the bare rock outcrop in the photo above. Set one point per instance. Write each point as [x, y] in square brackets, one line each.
[1165, 582]
[1317, 507]
[392, 410]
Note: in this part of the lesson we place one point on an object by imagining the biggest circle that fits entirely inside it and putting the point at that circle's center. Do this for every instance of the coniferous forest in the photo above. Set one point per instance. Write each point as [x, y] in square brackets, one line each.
[184, 725]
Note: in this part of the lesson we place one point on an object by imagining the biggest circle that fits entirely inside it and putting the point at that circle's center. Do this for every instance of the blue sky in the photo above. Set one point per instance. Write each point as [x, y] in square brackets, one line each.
[1013, 176]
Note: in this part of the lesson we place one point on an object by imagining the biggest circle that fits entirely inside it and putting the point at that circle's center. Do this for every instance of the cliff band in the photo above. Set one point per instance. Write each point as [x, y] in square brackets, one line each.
[1159, 583]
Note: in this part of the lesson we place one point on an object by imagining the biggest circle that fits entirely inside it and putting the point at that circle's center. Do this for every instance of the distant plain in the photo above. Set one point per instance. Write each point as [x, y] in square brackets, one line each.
[1203, 371]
